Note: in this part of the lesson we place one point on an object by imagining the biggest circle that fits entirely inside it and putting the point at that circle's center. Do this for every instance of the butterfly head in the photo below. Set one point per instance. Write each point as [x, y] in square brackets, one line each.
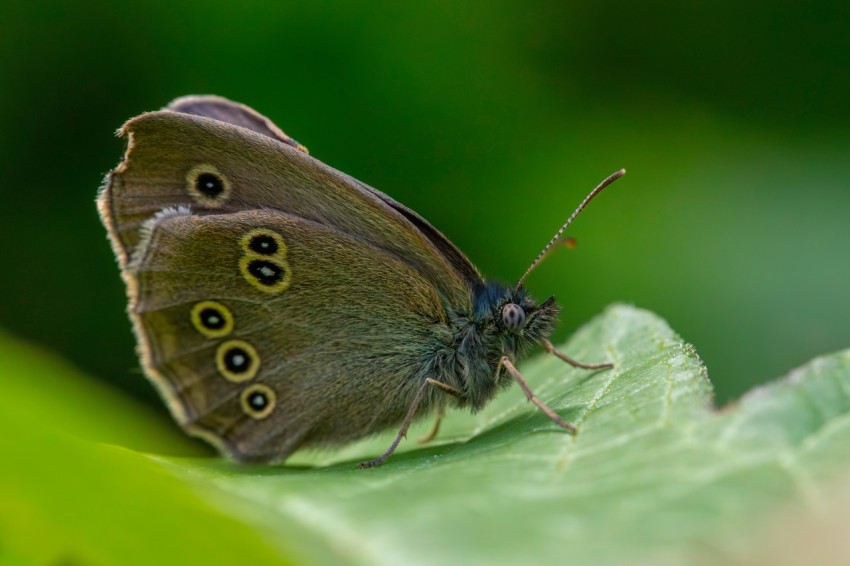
[515, 316]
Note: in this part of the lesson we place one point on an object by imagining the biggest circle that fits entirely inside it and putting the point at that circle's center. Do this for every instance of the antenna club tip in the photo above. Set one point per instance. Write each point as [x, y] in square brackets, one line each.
[621, 172]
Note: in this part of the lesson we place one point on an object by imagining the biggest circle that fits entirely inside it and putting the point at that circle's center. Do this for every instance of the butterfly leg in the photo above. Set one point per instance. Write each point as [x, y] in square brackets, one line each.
[435, 430]
[511, 368]
[575, 363]
[454, 392]
[407, 420]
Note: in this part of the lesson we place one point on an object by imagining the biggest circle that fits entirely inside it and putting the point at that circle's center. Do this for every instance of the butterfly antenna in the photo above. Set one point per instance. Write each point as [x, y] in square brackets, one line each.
[610, 179]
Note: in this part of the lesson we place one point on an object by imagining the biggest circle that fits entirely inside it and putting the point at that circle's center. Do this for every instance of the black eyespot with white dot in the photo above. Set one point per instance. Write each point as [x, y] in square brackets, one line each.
[266, 272]
[263, 263]
[209, 185]
[258, 401]
[237, 361]
[263, 244]
[212, 319]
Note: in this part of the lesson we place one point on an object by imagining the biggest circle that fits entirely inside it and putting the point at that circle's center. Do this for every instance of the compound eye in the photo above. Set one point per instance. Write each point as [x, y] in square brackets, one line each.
[513, 317]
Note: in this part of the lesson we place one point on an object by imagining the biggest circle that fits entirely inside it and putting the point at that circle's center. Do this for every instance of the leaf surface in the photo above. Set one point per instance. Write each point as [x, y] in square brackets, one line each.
[654, 475]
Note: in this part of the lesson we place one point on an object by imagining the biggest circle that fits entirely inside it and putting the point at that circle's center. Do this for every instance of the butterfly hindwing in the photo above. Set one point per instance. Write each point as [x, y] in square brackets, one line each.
[296, 314]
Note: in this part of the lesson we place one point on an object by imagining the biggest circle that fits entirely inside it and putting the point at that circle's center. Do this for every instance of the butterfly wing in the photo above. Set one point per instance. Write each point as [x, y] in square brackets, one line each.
[277, 302]
[237, 114]
[231, 112]
[175, 158]
[266, 331]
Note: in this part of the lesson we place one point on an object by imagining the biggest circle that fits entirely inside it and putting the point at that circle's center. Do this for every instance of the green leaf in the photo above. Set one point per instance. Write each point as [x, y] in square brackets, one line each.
[41, 388]
[68, 501]
[655, 473]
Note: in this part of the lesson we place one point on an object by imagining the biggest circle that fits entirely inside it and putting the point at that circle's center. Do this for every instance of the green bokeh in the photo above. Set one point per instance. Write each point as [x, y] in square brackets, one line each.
[491, 119]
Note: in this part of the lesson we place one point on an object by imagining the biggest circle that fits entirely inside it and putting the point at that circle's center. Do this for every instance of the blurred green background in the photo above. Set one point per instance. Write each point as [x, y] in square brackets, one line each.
[492, 120]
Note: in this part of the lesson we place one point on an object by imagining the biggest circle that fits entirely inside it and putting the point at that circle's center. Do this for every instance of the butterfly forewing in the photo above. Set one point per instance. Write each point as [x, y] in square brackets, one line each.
[176, 159]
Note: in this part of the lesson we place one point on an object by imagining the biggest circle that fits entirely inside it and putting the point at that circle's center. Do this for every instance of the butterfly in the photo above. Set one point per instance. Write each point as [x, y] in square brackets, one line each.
[279, 303]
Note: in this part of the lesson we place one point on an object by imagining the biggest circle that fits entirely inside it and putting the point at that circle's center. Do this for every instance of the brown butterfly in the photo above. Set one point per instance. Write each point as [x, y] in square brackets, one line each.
[279, 303]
